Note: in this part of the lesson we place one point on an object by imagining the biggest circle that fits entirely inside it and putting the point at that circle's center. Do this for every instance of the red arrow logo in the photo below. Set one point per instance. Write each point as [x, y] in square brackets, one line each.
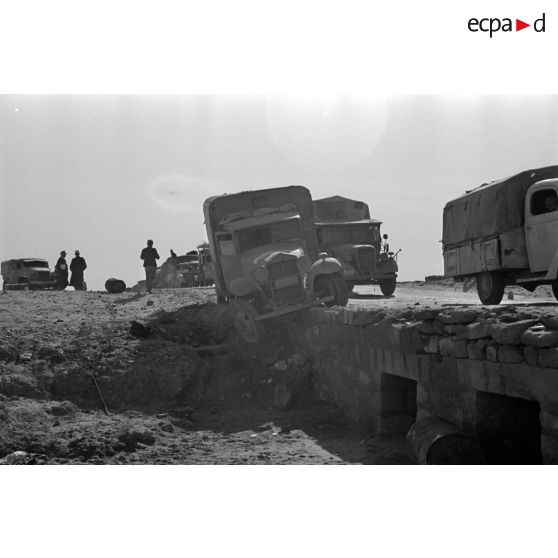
[519, 25]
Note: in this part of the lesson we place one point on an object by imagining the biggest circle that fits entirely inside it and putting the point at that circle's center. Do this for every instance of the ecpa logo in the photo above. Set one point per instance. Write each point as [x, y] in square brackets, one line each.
[492, 25]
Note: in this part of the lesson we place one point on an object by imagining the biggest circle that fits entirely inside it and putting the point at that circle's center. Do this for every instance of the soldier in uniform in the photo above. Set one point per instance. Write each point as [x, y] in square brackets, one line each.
[77, 267]
[61, 272]
[149, 256]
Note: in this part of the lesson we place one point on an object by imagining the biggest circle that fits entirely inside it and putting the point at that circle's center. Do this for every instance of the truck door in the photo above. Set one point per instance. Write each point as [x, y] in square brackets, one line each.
[541, 224]
[230, 265]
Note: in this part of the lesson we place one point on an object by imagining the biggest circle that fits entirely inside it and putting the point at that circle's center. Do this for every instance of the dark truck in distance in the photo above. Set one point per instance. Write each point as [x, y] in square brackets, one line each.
[266, 264]
[27, 273]
[505, 233]
[193, 269]
[346, 232]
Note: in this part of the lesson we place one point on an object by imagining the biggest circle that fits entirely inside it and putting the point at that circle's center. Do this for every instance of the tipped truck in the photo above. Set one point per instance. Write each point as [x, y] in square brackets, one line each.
[264, 250]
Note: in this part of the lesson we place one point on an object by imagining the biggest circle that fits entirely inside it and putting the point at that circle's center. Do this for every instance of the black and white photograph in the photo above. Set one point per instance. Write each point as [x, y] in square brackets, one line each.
[272, 279]
[278, 279]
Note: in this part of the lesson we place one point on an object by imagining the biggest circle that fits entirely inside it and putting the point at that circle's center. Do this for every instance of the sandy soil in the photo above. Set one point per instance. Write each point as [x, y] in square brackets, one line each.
[77, 387]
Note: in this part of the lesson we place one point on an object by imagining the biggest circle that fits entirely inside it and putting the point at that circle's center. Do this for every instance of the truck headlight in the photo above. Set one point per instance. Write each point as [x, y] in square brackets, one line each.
[304, 263]
[261, 274]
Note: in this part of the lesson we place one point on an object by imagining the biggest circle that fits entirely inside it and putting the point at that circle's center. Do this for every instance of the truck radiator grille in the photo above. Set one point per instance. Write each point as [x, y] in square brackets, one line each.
[366, 257]
[43, 275]
[286, 282]
[282, 268]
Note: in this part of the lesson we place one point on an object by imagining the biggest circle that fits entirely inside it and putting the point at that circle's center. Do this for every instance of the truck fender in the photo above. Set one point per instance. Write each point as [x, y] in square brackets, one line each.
[243, 287]
[552, 272]
[324, 266]
[388, 267]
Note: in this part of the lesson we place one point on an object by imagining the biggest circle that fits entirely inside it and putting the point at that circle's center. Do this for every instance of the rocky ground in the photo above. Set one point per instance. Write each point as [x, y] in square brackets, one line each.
[78, 384]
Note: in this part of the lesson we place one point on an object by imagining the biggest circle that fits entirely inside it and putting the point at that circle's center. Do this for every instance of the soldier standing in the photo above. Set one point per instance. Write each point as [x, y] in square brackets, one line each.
[77, 267]
[61, 272]
[149, 256]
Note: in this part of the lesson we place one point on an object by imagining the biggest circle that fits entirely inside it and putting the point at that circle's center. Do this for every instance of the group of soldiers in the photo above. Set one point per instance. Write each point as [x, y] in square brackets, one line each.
[77, 267]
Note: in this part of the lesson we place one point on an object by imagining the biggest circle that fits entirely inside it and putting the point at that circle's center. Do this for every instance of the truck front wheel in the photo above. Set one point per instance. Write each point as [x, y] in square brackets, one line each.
[328, 286]
[490, 287]
[244, 318]
[387, 286]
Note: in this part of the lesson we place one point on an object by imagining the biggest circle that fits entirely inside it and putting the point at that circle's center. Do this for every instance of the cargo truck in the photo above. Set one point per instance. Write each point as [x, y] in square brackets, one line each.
[505, 233]
[264, 250]
[346, 232]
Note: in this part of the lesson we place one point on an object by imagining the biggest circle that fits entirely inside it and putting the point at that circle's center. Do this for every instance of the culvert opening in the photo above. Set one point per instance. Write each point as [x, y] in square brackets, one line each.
[398, 404]
[509, 429]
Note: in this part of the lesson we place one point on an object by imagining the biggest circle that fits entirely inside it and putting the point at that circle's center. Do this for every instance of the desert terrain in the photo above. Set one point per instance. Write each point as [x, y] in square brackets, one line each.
[133, 378]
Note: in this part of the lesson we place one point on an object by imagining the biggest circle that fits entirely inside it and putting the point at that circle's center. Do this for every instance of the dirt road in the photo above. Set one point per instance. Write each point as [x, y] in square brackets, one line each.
[411, 293]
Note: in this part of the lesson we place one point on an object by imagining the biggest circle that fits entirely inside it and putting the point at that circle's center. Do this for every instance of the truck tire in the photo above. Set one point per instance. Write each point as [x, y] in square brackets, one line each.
[387, 286]
[112, 285]
[244, 318]
[332, 285]
[555, 290]
[490, 287]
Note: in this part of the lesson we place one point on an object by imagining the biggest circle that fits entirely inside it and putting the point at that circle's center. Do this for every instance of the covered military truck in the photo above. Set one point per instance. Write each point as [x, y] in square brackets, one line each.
[264, 251]
[26, 274]
[346, 232]
[505, 233]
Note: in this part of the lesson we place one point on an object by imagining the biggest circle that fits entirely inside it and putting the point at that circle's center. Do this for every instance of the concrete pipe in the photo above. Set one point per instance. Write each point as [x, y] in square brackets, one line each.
[115, 286]
[435, 441]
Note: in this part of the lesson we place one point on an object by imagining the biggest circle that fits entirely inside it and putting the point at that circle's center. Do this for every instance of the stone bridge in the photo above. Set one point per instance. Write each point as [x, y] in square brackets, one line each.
[490, 371]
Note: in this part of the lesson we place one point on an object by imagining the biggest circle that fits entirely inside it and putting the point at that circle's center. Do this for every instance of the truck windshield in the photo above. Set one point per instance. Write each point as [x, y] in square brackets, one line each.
[35, 263]
[350, 235]
[275, 233]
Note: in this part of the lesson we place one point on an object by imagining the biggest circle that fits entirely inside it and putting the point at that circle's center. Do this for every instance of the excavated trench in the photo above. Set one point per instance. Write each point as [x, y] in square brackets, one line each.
[187, 373]
[193, 357]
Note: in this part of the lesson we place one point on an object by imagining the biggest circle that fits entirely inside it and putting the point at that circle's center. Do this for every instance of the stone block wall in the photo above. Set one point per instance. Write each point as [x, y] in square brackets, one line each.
[386, 368]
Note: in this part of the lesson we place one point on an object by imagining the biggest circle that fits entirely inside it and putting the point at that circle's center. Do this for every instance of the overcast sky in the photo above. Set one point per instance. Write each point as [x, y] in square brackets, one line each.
[102, 173]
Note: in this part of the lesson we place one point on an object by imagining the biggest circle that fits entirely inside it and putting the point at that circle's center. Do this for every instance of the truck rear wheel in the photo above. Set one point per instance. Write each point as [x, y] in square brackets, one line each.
[387, 286]
[490, 287]
[244, 318]
[333, 285]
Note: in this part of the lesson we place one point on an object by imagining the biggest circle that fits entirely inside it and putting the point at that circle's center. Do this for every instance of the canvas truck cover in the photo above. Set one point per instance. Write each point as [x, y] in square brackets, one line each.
[337, 208]
[490, 209]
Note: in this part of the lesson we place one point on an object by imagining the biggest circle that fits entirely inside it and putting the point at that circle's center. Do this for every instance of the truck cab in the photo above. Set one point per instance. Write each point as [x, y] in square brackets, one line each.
[541, 225]
[263, 248]
[346, 232]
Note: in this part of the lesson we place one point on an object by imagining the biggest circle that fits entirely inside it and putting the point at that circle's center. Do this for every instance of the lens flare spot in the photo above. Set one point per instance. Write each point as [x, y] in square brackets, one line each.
[176, 193]
[326, 133]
